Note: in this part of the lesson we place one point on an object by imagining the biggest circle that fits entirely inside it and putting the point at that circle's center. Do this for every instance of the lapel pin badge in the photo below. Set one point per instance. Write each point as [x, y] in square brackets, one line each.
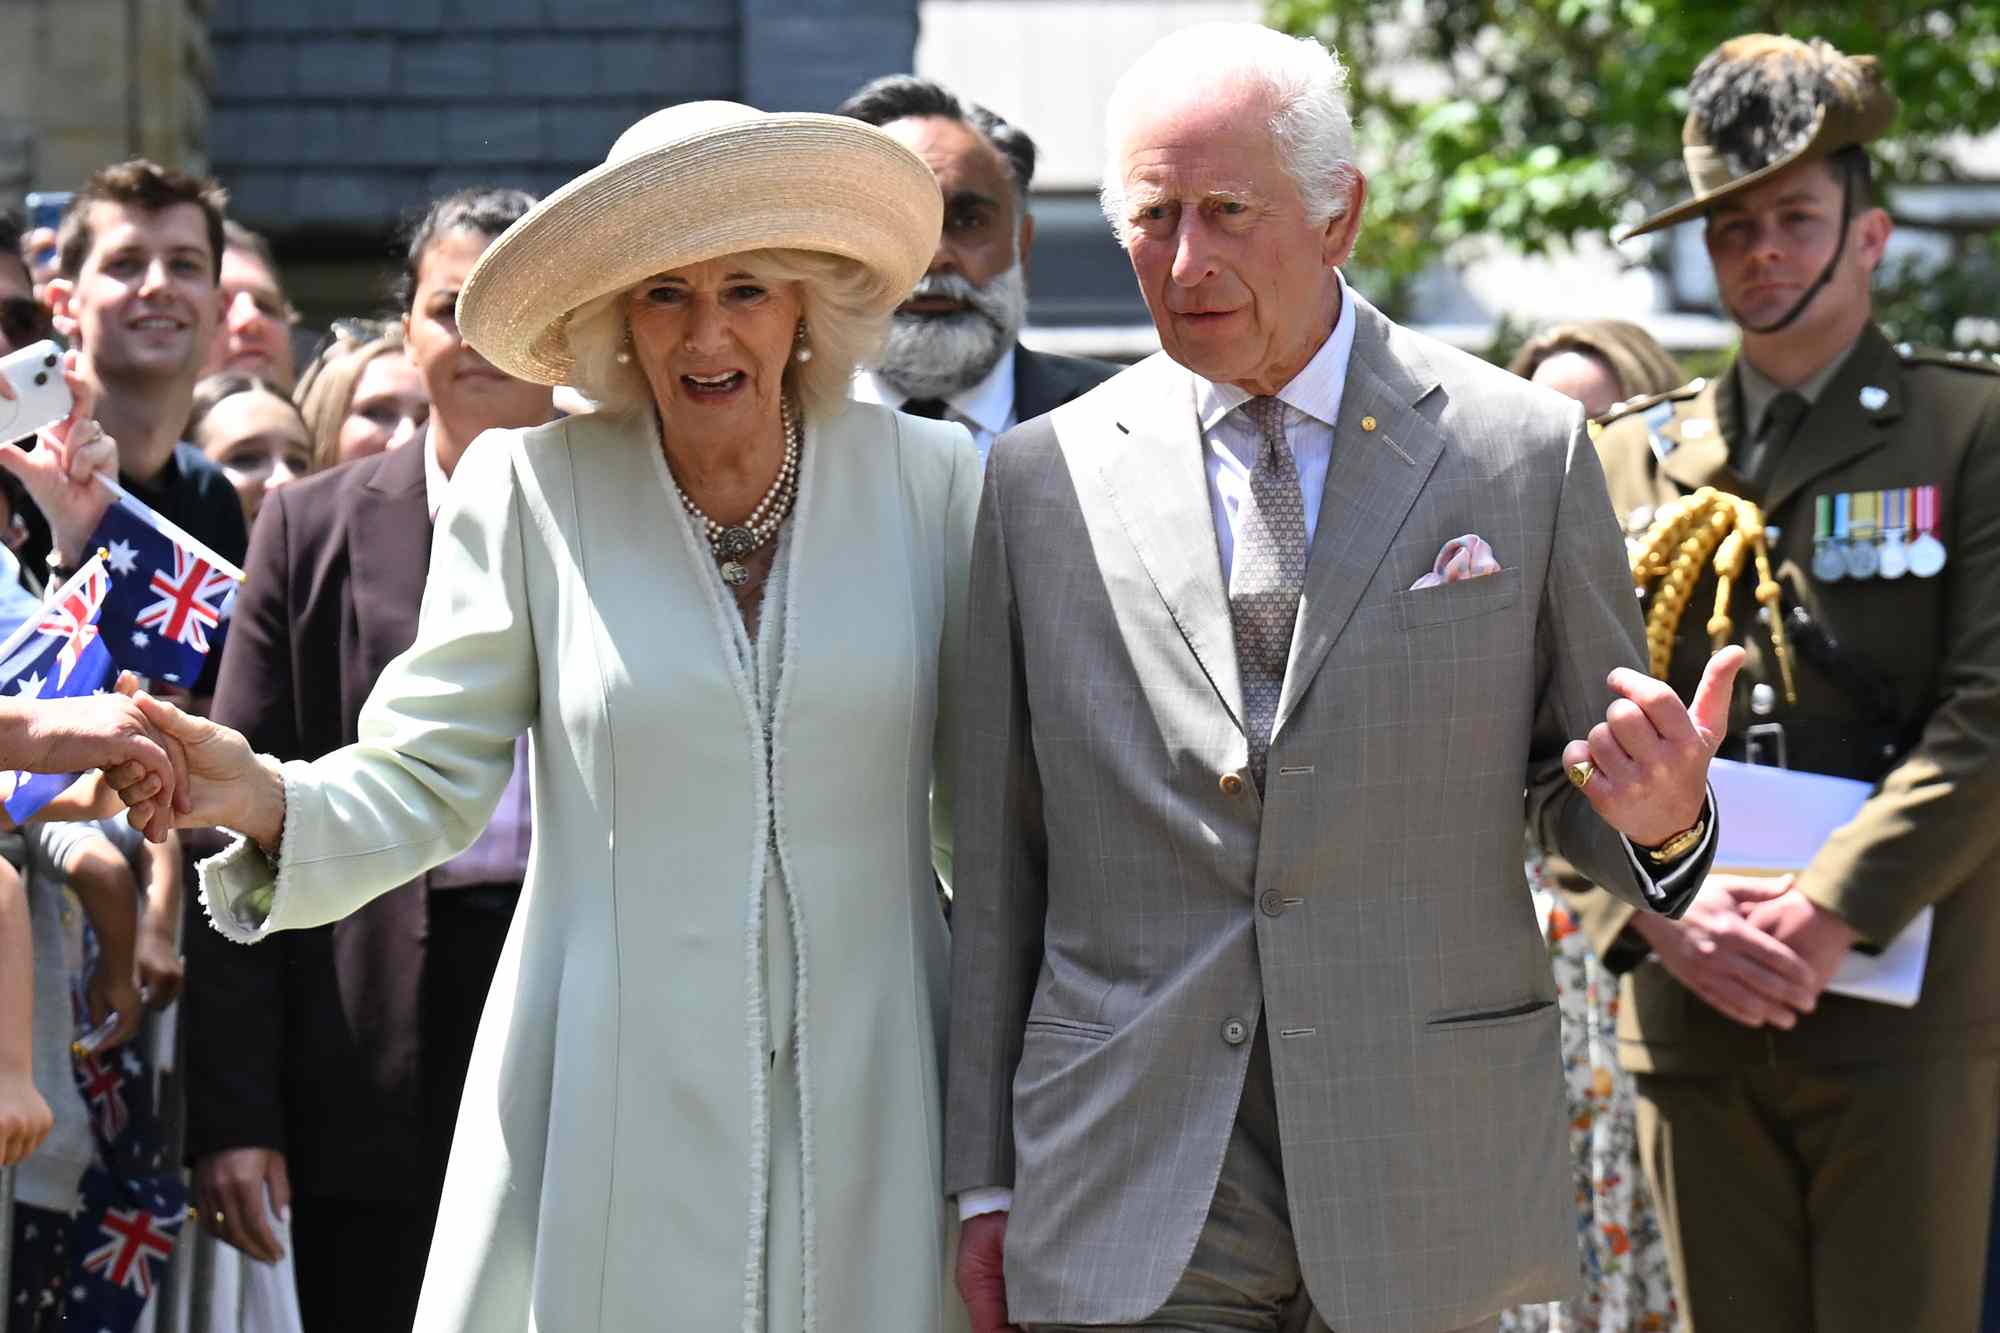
[1873, 397]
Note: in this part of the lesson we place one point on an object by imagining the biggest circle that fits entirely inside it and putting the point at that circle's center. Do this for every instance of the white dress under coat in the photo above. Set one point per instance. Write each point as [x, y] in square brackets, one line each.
[637, 1147]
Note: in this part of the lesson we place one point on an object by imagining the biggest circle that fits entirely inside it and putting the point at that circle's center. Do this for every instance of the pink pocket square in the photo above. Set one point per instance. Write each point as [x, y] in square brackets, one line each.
[1467, 557]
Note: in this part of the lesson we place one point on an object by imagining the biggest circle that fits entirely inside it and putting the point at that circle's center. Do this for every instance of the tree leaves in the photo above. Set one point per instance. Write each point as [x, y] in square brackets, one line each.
[1532, 122]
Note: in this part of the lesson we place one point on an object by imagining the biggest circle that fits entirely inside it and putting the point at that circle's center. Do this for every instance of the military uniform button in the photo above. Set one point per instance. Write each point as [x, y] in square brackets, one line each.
[1231, 784]
[1235, 1031]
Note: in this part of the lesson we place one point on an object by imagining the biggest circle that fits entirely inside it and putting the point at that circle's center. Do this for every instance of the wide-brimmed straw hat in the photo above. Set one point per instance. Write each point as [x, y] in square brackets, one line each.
[1761, 103]
[691, 183]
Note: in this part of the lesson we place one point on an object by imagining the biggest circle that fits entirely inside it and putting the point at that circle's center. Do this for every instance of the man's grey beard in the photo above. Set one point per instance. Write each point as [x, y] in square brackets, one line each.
[935, 356]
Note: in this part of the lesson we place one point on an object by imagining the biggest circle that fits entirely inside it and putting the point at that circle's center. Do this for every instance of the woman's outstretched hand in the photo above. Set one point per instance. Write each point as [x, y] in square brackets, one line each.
[229, 785]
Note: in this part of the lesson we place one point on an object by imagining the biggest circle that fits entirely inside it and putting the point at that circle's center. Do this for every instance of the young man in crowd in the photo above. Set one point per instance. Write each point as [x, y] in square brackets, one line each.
[254, 335]
[953, 349]
[1826, 1164]
[136, 294]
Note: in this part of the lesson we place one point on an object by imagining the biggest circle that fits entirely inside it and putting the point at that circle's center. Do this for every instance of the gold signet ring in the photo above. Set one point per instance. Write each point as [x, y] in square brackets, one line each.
[1581, 774]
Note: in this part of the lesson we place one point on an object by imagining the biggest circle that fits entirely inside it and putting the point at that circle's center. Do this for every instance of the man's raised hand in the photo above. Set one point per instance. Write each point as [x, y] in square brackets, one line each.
[1650, 755]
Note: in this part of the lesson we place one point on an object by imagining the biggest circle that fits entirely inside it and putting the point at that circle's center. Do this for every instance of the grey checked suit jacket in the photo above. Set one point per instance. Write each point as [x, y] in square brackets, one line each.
[1121, 916]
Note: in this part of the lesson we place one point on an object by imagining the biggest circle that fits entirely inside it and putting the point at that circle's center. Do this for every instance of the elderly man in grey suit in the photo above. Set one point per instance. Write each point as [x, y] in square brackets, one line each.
[1252, 1027]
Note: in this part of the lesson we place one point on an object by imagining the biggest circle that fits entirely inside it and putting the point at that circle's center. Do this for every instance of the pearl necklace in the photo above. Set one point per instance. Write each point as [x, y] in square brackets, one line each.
[731, 542]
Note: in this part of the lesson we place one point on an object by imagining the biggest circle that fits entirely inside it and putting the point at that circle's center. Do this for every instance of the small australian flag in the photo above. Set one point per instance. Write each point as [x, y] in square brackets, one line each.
[170, 595]
[59, 654]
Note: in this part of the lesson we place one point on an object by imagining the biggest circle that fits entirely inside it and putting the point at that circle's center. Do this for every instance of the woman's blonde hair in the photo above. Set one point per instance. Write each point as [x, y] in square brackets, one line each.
[326, 390]
[1635, 358]
[836, 298]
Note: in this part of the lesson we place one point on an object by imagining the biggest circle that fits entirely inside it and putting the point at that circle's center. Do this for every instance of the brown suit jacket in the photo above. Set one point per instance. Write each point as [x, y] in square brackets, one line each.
[1911, 699]
[311, 1042]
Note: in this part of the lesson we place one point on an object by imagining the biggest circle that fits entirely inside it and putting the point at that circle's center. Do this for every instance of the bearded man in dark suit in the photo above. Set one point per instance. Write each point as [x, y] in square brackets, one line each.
[953, 350]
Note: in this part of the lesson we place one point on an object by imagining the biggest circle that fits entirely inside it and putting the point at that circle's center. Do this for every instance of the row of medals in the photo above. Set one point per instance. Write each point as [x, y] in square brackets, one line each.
[1865, 551]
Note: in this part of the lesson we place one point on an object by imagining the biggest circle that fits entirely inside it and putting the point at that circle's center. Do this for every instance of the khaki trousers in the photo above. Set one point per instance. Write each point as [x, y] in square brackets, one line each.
[1244, 1273]
[1842, 1200]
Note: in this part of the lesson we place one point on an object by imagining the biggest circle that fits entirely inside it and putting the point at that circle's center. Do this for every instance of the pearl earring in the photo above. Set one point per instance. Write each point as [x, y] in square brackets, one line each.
[800, 351]
[624, 356]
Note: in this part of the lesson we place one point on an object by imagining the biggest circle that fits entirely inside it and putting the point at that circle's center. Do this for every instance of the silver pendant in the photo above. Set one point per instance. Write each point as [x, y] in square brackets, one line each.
[734, 573]
[735, 541]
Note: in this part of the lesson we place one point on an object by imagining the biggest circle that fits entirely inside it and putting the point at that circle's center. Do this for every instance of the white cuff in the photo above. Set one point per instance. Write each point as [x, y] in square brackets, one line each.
[1663, 883]
[988, 1200]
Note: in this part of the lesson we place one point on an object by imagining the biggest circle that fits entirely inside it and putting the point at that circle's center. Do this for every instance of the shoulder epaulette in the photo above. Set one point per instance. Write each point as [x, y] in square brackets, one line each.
[1652, 403]
[1986, 363]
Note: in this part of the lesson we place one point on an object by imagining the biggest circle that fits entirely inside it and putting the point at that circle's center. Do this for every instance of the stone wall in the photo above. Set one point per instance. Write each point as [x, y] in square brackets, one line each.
[86, 82]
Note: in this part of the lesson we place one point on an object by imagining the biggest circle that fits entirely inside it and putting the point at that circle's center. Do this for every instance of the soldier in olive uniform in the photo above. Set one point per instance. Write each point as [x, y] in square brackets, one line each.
[1825, 1163]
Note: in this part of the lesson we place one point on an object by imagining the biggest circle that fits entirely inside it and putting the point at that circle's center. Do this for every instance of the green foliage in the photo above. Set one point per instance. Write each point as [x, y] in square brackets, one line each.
[1534, 121]
[1945, 305]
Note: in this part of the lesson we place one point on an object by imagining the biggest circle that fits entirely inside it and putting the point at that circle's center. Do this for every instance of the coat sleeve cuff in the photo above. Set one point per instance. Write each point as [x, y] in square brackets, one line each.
[1670, 888]
[240, 885]
[973, 1203]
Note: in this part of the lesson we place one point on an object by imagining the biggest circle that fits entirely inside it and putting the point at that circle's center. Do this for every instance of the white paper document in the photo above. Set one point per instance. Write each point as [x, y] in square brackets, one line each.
[1774, 821]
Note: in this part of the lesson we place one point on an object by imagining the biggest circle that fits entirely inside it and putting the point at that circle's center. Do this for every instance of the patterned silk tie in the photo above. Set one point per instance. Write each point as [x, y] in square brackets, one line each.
[1265, 576]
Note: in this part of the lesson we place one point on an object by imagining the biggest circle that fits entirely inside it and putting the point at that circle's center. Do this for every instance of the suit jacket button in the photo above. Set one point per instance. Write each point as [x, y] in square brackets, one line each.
[1271, 903]
[1232, 784]
[1234, 1032]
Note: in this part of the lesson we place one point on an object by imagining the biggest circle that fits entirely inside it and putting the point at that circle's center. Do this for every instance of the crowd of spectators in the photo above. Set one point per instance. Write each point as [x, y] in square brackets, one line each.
[184, 347]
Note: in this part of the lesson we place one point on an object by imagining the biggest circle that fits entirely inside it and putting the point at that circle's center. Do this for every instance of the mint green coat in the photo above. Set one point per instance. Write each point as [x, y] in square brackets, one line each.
[615, 1147]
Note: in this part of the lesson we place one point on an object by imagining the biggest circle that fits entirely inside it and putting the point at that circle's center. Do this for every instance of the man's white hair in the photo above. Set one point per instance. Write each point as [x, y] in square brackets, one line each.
[1305, 81]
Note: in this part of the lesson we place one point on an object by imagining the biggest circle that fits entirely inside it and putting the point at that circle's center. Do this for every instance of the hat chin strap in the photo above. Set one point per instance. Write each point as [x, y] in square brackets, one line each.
[1825, 274]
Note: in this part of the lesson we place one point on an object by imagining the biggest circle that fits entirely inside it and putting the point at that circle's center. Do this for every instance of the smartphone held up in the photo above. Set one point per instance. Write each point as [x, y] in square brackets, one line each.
[37, 395]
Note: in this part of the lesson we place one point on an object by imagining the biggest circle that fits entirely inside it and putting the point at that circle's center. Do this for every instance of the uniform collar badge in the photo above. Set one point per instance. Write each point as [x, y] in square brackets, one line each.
[1873, 397]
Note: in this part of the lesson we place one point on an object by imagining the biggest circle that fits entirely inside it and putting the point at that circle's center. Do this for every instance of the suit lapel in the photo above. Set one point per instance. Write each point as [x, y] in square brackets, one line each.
[1149, 460]
[389, 546]
[1044, 383]
[1033, 393]
[1373, 479]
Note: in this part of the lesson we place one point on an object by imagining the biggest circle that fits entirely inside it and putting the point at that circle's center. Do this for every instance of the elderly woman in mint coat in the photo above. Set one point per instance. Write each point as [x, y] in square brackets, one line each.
[725, 608]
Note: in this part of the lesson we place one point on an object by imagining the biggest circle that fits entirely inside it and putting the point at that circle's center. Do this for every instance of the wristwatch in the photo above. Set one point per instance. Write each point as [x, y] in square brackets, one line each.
[1674, 848]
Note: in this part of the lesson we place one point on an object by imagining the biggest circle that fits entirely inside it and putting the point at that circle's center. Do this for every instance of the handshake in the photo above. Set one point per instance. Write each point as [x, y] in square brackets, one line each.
[171, 769]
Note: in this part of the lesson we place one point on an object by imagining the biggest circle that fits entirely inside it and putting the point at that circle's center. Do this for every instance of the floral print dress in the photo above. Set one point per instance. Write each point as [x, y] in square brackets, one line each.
[1627, 1284]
